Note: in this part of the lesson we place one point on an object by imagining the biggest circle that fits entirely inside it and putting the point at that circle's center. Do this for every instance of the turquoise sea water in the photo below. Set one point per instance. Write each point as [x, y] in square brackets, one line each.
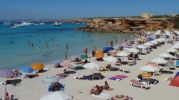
[46, 43]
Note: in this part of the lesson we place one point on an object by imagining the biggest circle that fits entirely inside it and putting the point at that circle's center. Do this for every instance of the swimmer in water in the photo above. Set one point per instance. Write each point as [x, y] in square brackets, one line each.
[46, 44]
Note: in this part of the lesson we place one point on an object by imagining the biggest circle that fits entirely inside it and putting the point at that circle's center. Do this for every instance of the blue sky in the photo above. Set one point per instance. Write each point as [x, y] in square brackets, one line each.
[56, 9]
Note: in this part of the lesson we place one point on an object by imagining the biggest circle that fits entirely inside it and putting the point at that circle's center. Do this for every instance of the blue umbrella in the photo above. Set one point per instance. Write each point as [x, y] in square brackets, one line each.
[106, 49]
[150, 39]
[6, 73]
[27, 69]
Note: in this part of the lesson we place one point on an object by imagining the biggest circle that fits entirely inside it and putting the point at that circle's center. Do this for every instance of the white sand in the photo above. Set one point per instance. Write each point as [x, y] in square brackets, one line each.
[33, 89]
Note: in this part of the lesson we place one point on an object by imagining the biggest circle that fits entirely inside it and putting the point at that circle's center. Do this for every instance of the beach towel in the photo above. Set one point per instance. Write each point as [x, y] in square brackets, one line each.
[118, 77]
[102, 96]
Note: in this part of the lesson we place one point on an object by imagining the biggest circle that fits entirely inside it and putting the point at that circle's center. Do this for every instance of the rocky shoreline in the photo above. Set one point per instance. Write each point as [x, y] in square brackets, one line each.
[127, 25]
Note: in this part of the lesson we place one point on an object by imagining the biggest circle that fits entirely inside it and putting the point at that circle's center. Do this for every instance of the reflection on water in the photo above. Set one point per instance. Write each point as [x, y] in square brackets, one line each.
[46, 43]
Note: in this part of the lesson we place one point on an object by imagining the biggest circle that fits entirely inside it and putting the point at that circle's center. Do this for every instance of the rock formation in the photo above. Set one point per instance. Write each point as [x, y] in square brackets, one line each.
[127, 25]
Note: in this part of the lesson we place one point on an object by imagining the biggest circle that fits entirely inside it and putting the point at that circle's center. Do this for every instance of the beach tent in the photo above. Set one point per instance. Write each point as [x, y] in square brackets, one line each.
[122, 54]
[99, 54]
[106, 49]
[175, 81]
[56, 96]
[37, 66]
[159, 60]
[7, 73]
[110, 59]
[26, 69]
[91, 65]
[166, 55]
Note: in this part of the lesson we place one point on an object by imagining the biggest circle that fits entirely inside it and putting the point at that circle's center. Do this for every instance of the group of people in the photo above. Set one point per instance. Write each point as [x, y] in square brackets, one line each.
[98, 89]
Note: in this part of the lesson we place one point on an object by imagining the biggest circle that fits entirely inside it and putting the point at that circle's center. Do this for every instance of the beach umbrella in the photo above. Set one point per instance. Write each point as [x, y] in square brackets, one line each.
[6, 73]
[177, 32]
[154, 42]
[120, 97]
[160, 40]
[149, 68]
[132, 50]
[148, 44]
[171, 50]
[149, 39]
[158, 32]
[167, 33]
[106, 49]
[166, 55]
[3, 92]
[141, 47]
[58, 95]
[26, 69]
[50, 79]
[122, 54]
[159, 60]
[99, 53]
[67, 63]
[110, 59]
[37, 66]
[91, 65]
[175, 47]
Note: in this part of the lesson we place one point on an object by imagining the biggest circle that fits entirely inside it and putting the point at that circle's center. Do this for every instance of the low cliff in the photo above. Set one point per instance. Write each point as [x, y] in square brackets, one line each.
[127, 25]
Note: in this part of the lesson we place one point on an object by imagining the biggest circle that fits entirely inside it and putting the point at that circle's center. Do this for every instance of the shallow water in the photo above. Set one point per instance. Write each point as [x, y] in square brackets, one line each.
[47, 43]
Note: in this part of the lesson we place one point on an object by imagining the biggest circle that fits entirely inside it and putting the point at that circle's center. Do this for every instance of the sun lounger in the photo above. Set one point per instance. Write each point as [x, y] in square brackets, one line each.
[118, 77]
[141, 85]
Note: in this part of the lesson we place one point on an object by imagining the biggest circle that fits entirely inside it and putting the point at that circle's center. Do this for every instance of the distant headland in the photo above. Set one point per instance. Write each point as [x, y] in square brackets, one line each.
[136, 24]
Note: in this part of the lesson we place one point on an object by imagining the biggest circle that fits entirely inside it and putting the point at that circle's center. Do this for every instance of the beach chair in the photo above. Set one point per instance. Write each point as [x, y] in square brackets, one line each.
[141, 85]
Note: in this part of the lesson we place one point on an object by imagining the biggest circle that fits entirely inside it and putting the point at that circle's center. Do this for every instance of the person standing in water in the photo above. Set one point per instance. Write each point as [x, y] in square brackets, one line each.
[94, 51]
[66, 54]
[111, 43]
[85, 50]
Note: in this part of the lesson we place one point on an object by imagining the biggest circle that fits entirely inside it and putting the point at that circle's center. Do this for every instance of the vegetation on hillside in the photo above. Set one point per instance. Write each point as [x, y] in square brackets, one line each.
[176, 22]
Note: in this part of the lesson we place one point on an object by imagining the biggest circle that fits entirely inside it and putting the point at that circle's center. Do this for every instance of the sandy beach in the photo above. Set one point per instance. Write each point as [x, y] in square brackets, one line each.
[33, 89]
